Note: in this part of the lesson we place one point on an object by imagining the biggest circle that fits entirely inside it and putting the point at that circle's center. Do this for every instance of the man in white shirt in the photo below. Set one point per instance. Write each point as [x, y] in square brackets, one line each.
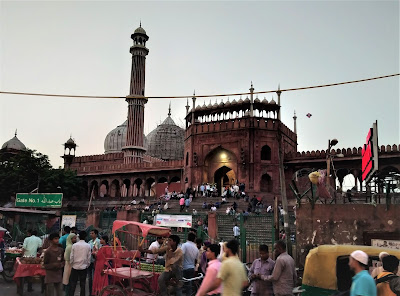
[236, 231]
[32, 244]
[190, 255]
[80, 260]
[154, 257]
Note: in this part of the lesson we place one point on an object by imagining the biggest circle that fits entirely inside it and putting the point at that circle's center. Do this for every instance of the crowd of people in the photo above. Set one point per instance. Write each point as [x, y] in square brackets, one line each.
[68, 259]
[383, 280]
[224, 273]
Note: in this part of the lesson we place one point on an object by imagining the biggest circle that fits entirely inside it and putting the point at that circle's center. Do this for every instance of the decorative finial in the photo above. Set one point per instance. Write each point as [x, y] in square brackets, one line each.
[194, 92]
[279, 86]
[169, 109]
[15, 132]
[140, 23]
[251, 84]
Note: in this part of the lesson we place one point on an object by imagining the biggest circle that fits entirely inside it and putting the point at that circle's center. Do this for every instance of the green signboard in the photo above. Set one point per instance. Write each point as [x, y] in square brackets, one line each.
[39, 200]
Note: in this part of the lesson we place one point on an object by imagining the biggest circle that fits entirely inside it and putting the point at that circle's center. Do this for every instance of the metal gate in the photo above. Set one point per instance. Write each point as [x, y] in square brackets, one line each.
[254, 231]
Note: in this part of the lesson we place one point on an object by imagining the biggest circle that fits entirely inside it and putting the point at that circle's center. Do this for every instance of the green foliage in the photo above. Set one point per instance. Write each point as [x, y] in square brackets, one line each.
[25, 171]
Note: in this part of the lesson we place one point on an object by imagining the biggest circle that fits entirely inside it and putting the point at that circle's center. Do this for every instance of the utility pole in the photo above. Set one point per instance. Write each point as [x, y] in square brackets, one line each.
[283, 193]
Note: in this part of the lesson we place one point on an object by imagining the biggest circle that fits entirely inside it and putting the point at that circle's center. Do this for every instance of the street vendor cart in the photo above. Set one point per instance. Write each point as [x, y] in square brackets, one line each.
[28, 268]
[119, 272]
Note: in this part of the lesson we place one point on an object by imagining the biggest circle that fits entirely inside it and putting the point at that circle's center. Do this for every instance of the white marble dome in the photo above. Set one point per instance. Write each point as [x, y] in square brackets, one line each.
[14, 144]
[116, 139]
[166, 141]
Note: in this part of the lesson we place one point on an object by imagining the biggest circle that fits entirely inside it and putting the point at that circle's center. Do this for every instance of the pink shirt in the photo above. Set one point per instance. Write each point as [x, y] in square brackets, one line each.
[211, 275]
[182, 201]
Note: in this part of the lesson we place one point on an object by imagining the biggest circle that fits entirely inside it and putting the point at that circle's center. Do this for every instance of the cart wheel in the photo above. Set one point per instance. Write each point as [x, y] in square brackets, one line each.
[8, 271]
[112, 290]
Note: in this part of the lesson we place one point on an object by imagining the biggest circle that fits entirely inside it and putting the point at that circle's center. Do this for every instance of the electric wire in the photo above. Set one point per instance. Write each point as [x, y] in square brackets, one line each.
[199, 96]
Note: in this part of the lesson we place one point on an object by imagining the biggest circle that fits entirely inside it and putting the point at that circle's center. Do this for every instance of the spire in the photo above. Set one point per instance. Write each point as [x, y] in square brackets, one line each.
[187, 105]
[15, 132]
[140, 24]
[295, 123]
[251, 100]
[169, 109]
[278, 92]
[194, 99]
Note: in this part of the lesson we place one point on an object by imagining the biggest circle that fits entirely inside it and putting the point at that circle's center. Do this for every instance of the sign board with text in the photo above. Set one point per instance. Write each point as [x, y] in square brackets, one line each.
[370, 154]
[184, 221]
[39, 200]
[68, 220]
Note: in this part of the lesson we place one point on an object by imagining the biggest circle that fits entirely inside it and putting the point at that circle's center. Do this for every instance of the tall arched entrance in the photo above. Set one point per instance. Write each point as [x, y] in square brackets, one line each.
[220, 167]
[224, 176]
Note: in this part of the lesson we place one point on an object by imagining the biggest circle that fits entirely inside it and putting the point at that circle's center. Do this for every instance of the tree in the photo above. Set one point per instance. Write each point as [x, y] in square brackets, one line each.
[27, 170]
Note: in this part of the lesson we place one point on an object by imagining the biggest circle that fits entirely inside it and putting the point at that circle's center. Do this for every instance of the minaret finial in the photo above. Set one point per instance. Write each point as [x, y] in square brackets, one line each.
[279, 86]
[194, 92]
[15, 132]
[169, 109]
[140, 23]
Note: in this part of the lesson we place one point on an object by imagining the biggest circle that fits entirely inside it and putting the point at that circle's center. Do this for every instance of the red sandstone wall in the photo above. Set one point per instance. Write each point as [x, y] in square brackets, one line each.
[344, 224]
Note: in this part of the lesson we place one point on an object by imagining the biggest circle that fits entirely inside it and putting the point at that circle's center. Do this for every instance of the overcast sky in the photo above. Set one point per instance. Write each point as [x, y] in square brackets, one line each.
[82, 48]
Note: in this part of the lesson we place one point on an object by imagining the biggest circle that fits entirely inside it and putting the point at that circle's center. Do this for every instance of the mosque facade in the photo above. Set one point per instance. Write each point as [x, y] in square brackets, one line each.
[224, 143]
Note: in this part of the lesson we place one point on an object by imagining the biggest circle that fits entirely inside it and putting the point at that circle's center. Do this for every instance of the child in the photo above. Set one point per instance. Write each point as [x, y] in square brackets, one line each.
[54, 264]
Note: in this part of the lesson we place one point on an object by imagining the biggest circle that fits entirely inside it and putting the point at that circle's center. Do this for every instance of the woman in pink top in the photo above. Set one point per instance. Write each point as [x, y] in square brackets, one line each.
[182, 203]
[211, 272]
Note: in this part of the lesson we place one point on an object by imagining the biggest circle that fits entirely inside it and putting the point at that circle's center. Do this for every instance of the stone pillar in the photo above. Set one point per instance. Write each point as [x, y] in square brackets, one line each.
[212, 226]
[93, 218]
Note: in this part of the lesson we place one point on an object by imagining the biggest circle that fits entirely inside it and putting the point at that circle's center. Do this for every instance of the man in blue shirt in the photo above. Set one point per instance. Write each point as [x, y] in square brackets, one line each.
[63, 239]
[190, 255]
[363, 284]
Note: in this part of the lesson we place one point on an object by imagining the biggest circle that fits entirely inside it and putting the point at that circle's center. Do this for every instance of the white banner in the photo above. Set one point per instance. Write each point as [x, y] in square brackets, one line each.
[174, 220]
[384, 243]
[68, 220]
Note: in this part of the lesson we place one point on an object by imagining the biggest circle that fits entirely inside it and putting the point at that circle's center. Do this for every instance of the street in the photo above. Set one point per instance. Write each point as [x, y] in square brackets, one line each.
[10, 289]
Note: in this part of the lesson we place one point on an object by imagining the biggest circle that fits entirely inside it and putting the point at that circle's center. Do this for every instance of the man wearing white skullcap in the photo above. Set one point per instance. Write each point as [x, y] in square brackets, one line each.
[363, 284]
[379, 268]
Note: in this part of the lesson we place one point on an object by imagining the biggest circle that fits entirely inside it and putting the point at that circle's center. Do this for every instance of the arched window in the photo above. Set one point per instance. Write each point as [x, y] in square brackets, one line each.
[187, 158]
[266, 153]
[266, 183]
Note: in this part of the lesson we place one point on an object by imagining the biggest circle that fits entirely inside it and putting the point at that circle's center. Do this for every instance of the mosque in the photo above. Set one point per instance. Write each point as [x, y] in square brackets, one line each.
[238, 141]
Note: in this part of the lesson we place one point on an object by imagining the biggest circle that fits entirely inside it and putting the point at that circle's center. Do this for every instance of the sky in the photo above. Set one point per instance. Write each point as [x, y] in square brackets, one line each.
[82, 48]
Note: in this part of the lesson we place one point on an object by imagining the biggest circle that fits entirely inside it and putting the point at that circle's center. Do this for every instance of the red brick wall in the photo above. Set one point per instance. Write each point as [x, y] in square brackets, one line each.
[343, 224]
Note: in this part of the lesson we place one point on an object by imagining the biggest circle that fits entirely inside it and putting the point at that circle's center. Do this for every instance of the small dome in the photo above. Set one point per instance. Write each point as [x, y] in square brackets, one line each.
[265, 101]
[215, 104]
[234, 102]
[247, 100]
[221, 104]
[240, 101]
[227, 103]
[272, 102]
[209, 105]
[140, 30]
[198, 108]
[14, 144]
[257, 100]
[70, 141]
[116, 139]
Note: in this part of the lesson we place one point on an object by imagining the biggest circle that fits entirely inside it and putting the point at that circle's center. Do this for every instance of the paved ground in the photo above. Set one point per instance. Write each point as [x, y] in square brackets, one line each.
[10, 289]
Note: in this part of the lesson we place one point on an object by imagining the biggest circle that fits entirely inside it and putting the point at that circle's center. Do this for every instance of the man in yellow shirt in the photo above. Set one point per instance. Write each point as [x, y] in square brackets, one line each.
[232, 274]
[390, 267]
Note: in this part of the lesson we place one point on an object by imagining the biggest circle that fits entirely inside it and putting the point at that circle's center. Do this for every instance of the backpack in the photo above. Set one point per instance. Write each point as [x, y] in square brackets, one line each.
[395, 285]
[394, 282]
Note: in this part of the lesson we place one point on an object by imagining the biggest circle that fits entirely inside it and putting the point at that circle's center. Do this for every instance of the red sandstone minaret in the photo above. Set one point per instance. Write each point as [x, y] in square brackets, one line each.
[134, 150]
